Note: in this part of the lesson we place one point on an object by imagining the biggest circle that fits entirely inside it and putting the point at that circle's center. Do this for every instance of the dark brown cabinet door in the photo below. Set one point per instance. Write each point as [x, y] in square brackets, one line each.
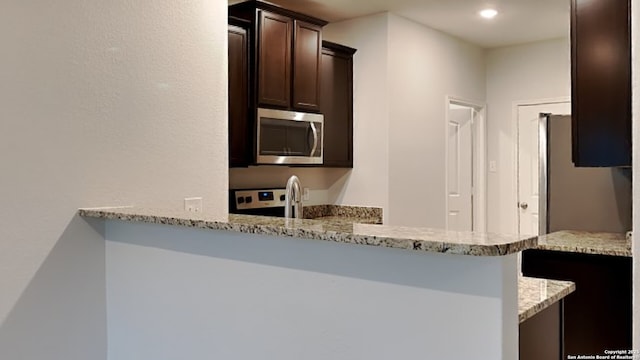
[306, 65]
[274, 59]
[336, 103]
[239, 130]
[601, 82]
[597, 316]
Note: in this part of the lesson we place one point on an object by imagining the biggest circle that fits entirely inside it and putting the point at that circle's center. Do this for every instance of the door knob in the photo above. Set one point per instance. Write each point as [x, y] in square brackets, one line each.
[524, 205]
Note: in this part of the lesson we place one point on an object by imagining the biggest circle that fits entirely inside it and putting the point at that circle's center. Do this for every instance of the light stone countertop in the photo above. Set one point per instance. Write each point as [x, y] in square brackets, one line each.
[410, 238]
[347, 219]
[359, 214]
[535, 295]
[613, 244]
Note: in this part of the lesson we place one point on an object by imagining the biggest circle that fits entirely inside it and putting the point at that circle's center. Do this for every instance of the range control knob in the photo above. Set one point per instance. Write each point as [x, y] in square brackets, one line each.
[248, 199]
[282, 197]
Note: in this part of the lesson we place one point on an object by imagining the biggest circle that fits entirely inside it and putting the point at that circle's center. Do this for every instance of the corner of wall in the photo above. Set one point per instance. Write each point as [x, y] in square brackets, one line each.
[367, 183]
[635, 72]
[72, 282]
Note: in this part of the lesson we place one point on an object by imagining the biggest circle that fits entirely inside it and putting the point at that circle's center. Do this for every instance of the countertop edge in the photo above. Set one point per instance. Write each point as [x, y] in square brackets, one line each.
[567, 288]
[308, 233]
[586, 242]
[584, 250]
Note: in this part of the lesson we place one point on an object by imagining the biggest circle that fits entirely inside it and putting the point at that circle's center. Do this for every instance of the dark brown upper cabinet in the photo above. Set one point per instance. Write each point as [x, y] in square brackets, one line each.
[306, 66]
[240, 135]
[336, 103]
[601, 82]
[274, 60]
[285, 72]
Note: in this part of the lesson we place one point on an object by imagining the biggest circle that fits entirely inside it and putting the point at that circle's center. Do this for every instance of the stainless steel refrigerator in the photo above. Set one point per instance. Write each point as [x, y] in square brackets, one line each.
[589, 199]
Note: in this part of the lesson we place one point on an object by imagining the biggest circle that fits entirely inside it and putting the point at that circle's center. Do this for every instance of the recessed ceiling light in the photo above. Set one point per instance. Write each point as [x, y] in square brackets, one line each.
[488, 13]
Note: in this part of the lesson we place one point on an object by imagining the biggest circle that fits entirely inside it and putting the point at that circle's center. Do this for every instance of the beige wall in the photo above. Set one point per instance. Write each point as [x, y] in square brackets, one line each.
[425, 66]
[102, 103]
[403, 72]
[367, 183]
[635, 70]
[526, 72]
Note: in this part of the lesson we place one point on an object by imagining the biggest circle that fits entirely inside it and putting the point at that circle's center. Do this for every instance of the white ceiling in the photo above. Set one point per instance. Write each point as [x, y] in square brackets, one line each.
[519, 21]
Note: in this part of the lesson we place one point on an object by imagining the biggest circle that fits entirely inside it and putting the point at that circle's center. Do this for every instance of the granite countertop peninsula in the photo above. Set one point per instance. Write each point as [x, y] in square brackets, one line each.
[409, 238]
[535, 295]
[597, 243]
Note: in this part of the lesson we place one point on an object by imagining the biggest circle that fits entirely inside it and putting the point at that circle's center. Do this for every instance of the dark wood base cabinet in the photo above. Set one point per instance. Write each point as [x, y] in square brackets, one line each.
[540, 337]
[597, 316]
[336, 103]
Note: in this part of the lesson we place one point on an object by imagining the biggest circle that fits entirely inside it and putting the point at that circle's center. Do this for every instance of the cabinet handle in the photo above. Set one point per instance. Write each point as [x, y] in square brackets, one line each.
[524, 205]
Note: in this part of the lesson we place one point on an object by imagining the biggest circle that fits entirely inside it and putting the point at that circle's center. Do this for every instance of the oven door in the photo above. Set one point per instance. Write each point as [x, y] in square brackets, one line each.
[287, 137]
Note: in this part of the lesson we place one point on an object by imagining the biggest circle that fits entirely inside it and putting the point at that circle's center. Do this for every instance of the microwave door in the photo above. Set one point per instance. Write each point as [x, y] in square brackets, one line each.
[298, 139]
[286, 138]
[273, 138]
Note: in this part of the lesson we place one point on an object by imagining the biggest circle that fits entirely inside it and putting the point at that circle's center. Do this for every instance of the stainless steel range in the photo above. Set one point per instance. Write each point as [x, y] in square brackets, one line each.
[265, 202]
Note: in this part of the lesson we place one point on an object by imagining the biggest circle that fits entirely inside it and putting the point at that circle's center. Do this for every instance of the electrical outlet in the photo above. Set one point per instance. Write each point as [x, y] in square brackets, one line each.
[493, 166]
[305, 194]
[193, 204]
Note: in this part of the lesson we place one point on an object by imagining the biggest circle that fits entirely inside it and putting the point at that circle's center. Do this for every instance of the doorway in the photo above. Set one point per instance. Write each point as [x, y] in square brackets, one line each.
[531, 166]
[465, 175]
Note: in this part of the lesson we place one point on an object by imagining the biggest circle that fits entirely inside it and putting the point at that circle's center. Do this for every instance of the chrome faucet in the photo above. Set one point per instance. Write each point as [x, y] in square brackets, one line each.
[293, 197]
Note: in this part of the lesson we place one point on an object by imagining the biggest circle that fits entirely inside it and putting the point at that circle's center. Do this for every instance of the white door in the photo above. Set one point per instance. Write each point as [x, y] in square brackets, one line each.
[460, 168]
[529, 119]
[528, 165]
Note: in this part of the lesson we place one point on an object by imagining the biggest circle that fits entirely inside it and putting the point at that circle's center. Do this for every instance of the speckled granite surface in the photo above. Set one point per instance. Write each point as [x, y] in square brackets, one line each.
[535, 295]
[347, 219]
[586, 243]
[369, 215]
[416, 239]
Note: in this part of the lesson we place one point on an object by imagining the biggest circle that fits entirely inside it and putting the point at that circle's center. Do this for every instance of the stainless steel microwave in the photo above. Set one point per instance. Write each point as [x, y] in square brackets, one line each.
[289, 137]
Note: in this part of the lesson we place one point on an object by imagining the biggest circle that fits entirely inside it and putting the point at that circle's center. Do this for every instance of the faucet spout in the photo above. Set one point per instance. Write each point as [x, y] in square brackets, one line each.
[293, 198]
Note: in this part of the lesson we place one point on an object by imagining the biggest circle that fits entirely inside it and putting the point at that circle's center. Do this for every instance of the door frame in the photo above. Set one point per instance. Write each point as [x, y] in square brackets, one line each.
[542, 153]
[479, 148]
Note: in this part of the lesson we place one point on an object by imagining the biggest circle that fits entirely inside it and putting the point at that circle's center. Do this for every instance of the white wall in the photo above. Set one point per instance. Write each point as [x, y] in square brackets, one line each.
[635, 71]
[368, 183]
[526, 72]
[425, 66]
[403, 72]
[101, 103]
[183, 293]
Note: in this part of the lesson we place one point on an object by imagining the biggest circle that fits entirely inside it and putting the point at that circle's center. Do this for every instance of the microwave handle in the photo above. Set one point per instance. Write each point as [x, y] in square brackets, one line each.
[315, 138]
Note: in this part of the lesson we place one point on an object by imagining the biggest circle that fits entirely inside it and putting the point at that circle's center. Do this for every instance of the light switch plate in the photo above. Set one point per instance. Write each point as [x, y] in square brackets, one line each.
[493, 166]
[193, 204]
[305, 194]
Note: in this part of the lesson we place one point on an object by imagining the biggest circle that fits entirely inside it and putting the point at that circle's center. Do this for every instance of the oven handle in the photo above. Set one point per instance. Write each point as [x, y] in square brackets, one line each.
[315, 139]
